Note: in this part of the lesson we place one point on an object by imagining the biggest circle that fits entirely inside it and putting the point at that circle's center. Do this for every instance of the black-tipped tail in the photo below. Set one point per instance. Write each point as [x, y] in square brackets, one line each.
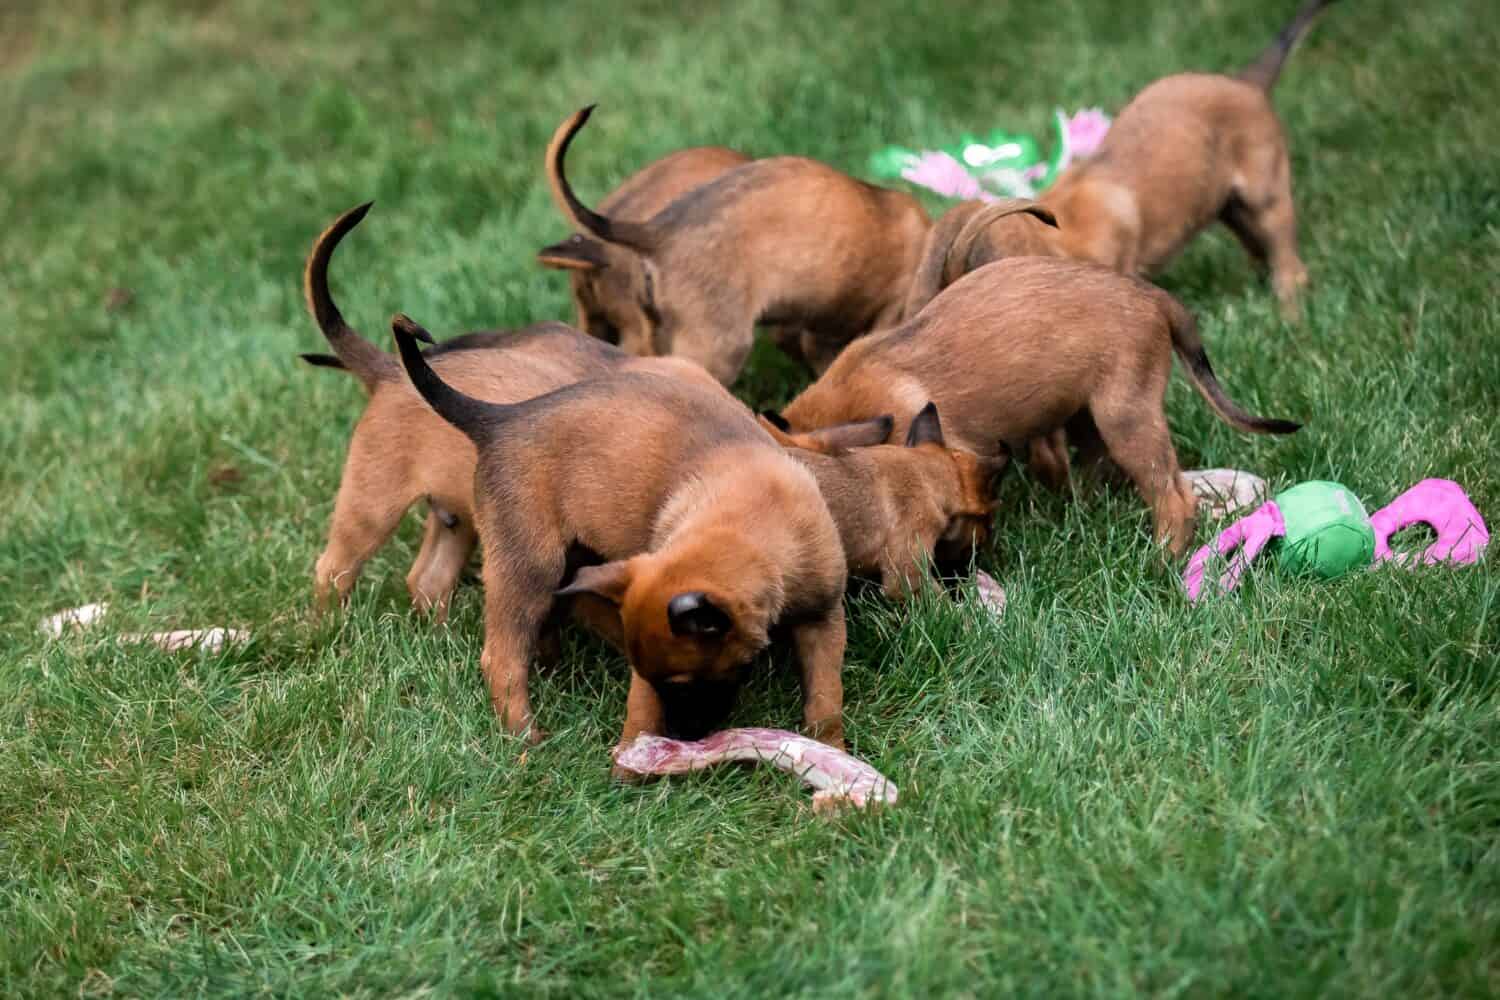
[355, 354]
[473, 416]
[1189, 348]
[1201, 373]
[635, 235]
[1264, 71]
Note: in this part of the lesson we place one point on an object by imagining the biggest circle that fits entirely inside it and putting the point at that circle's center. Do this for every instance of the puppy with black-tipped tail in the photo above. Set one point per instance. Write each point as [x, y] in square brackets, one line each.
[1029, 346]
[664, 504]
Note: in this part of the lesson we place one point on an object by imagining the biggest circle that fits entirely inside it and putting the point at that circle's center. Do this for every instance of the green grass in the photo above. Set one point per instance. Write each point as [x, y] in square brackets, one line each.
[1293, 791]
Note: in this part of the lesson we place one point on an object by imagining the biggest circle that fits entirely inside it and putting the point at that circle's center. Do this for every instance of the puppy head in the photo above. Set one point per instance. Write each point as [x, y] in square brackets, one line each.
[691, 640]
[614, 288]
[971, 515]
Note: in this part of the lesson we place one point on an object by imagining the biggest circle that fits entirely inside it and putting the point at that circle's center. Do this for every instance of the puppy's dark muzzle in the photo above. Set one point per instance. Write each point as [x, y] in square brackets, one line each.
[953, 558]
[692, 711]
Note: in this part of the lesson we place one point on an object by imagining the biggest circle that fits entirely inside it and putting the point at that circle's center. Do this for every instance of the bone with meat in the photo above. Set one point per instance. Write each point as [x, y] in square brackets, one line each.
[839, 778]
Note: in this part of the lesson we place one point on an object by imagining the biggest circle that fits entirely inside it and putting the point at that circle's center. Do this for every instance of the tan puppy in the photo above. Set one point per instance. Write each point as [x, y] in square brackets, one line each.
[643, 194]
[665, 499]
[784, 241]
[1189, 150]
[402, 452]
[1028, 345]
[900, 508]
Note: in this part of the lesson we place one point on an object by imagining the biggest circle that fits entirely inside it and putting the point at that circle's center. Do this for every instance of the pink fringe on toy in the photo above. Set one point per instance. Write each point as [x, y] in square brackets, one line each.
[1442, 505]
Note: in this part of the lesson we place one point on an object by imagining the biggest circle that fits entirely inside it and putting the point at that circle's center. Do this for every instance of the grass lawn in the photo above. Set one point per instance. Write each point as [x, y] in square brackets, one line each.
[1293, 791]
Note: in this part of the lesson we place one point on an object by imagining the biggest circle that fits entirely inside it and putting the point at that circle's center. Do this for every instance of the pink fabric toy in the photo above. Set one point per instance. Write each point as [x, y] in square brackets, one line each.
[1243, 540]
[1441, 504]
[942, 173]
[1085, 131]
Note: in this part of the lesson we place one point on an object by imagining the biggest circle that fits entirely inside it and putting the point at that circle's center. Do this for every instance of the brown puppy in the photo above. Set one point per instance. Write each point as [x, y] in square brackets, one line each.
[663, 498]
[1028, 345]
[401, 451]
[1188, 150]
[600, 273]
[900, 507]
[784, 240]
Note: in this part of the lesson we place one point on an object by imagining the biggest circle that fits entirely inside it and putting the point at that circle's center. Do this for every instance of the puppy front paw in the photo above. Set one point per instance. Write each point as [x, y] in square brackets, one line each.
[829, 732]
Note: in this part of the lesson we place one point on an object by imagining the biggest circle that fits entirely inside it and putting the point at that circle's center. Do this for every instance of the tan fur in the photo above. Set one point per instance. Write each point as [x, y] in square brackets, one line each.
[1023, 347]
[673, 485]
[640, 197]
[900, 508]
[1188, 150]
[784, 240]
[402, 452]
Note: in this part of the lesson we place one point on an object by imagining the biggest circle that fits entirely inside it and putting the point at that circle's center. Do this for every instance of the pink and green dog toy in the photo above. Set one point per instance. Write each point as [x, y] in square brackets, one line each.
[1001, 165]
[1321, 528]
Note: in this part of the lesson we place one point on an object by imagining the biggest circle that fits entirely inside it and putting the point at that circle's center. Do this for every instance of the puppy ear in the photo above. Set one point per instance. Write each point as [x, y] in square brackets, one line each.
[694, 614]
[925, 428]
[829, 440]
[609, 581]
[773, 425]
[855, 434]
[576, 253]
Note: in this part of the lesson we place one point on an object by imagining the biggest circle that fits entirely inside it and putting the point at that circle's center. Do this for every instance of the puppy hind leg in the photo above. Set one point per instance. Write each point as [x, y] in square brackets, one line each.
[1047, 460]
[1266, 218]
[1142, 445]
[517, 597]
[1095, 467]
[435, 573]
[361, 524]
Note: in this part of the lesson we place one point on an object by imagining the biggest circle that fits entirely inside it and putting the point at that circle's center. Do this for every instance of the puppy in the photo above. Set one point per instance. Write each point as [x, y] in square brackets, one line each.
[643, 194]
[1186, 151]
[784, 240]
[1029, 345]
[664, 499]
[900, 509]
[401, 451]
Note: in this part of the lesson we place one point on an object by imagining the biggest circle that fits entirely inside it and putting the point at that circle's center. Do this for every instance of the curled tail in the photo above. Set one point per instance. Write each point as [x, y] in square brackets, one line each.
[1189, 347]
[946, 254]
[351, 352]
[634, 235]
[932, 272]
[1267, 66]
[473, 416]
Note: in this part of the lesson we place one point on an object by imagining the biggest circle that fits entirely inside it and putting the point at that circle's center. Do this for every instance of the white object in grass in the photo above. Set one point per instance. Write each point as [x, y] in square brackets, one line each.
[1225, 491]
[72, 618]
[210, 639]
